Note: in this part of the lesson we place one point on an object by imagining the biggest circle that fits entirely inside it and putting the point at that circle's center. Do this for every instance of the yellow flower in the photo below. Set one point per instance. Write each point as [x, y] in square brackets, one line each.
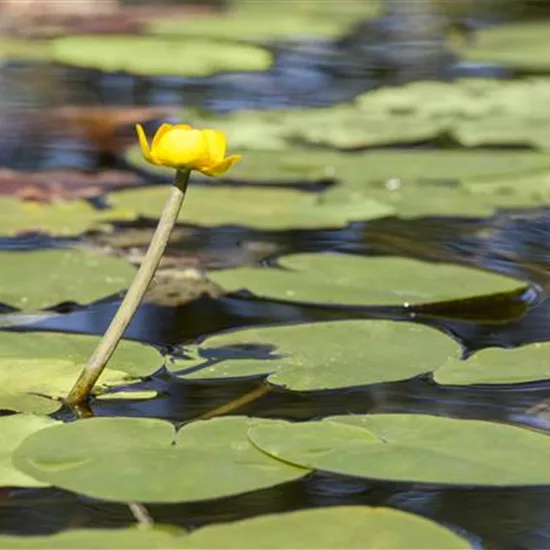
[181, 146]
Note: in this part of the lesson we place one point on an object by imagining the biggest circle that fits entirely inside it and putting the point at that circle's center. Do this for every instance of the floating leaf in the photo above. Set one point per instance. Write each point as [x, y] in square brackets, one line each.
[518, 45]
[411, 448]
[26, 402]
[37, 368]
[132, 358]
[260, 208]
[327, 528]
[13, 430]
[472, 111]
[125, 394]
[17, 49]
[249, 20]
[128, 459]
[357, 169]
[331, 527]
[62, 218]
[354, 280]
[65, 275]
[498, 366]
[161, 56]
[131, 538]
[322, 355]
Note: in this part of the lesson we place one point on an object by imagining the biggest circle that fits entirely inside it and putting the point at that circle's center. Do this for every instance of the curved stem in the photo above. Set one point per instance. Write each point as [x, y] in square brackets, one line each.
[108, 344]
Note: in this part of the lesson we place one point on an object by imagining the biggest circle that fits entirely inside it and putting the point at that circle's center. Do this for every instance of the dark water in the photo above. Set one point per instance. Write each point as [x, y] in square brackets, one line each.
[515, 243]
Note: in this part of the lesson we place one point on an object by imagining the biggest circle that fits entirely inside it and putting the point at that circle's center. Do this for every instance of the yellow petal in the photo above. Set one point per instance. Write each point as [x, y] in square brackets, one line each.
[216, 141]
[181, 147]
[143, 143]
[160, 132]
[221, 167]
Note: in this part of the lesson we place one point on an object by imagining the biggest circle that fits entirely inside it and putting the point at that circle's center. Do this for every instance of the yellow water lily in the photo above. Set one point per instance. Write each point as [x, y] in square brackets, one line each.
[182, 147]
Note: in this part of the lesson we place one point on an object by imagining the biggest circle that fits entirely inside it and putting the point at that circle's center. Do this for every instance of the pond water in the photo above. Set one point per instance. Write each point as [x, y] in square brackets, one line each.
[305, 74]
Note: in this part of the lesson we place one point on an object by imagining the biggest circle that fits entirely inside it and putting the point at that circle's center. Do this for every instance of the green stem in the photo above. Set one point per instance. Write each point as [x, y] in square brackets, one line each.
[105, 349]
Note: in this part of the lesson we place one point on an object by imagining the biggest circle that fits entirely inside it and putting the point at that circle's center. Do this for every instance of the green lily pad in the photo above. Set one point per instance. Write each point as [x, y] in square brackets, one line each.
[131, 538]
[518, 45]
[249, 20]
[331, 527]
[125, 394]
[133, 358]
[27, 402]
[191, 56]
[65, 275]
[38, 368]
[322, 355]
[504, 130]
[411, 448]
[475, 112]
[354, 280]
[144, 460]
[327, 528]
[13, 430]
[358, 168]
[260, 208]
[14, 48]
[498, 366]
[62, 218]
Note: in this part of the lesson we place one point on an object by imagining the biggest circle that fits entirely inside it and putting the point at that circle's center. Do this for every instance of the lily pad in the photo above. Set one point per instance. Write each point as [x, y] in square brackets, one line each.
[358, 168]
[248, 20]
[322, 355]
[498, 366]
[354, 280]
[517, 45]
[61, 218]
[17, 49]
[159, 56]
[65, 275]
[254, 207]
[327, 528]
[331, 527]
[502, 130]
[13, 430]
[38, 368]
[27, 402]
[132, 358]
[411, 448]
[131, 538]
[144, 460]
[471, 111]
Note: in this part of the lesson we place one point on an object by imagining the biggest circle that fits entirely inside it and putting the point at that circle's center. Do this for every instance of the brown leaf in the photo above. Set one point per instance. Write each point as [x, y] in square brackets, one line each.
[102, 127]
[52, 185]
[46, 18]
